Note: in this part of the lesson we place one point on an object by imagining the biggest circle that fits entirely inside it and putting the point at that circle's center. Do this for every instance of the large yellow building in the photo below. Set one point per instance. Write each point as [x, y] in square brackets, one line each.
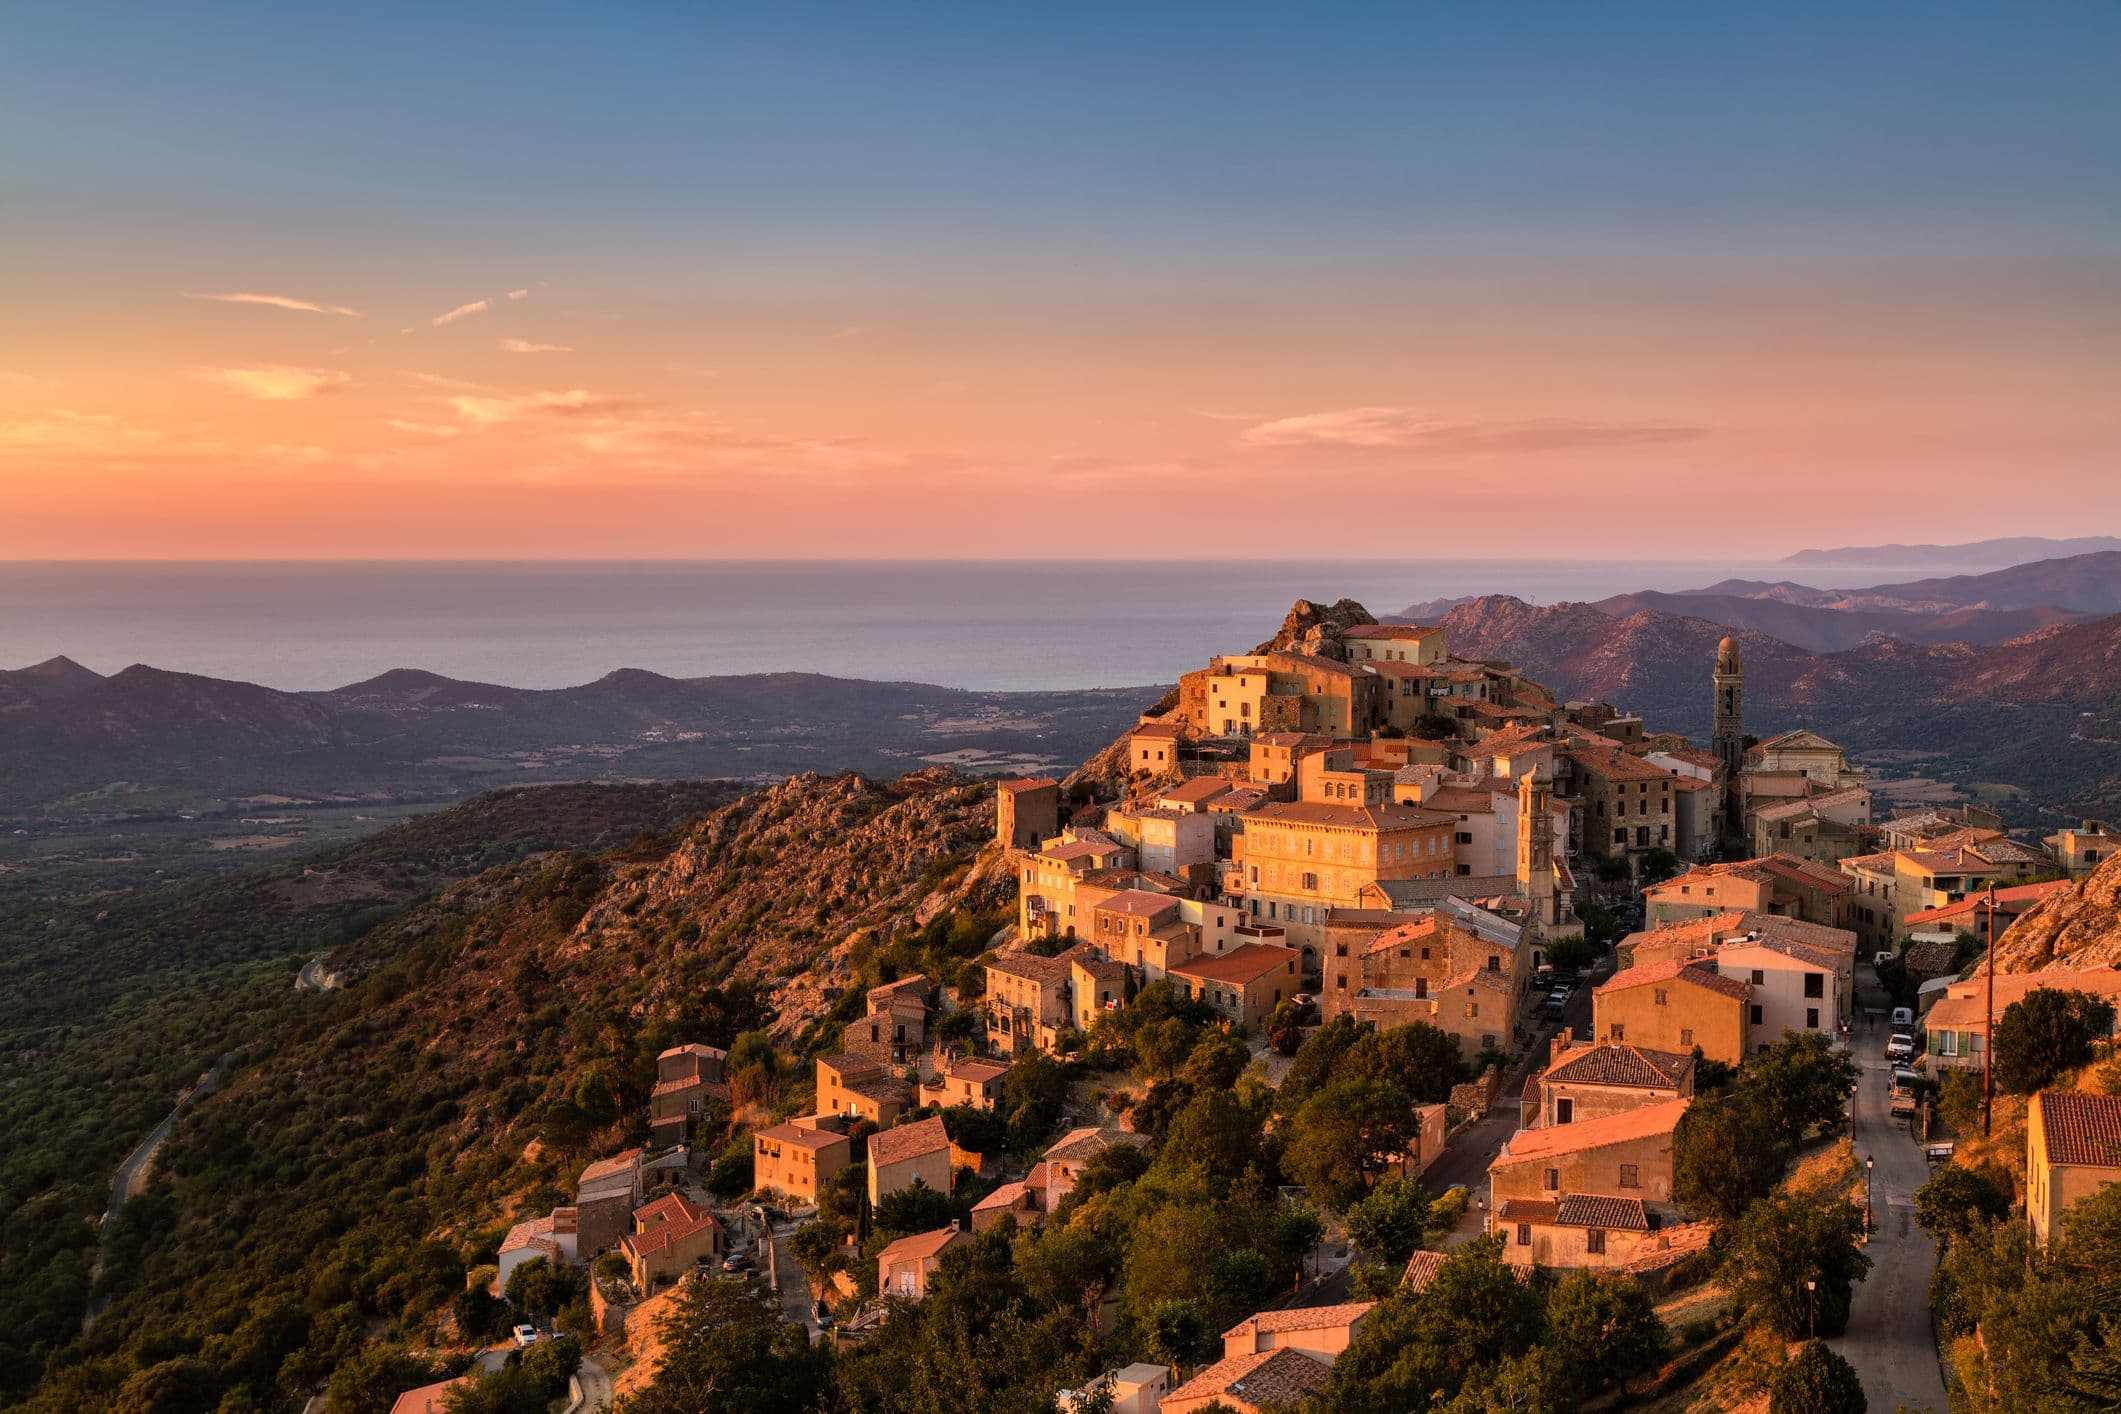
[1302, 858]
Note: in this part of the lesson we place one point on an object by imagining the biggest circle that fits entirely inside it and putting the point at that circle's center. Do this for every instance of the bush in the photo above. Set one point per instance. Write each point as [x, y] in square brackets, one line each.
[1816, 1381]
[2044, 1034]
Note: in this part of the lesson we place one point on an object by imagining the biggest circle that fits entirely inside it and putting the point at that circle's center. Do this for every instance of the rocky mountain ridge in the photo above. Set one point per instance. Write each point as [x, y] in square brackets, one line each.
[2078, 927]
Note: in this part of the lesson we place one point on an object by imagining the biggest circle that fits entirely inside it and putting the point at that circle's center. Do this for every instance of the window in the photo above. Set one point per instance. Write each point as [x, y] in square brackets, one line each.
[1630, 1176]
[1594, 1241]
[1616, 1032]
[1811, 1018]
[1524, 1234]
[1421, 988]
[1660, 996]
[1815, 984]
[1686, 1035]
[1552, 1181]
[1759, 977]
[1564, 1110]
[1756, 1016]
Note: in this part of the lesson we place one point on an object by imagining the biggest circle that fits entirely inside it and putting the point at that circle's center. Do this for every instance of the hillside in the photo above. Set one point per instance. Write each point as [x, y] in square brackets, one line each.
[488, 1039]
[2010, 550]
[110, 1006]
[1824, 629]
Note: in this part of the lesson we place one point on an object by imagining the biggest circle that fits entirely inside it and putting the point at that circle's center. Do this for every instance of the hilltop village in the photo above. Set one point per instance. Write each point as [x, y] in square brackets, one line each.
[1354, 968]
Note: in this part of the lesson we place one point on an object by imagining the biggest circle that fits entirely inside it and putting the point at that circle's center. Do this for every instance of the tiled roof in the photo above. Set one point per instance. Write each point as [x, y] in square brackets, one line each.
[1809, 872]
[1613, 1063]
[1090, 960]
[1796, 952]
[921, 1246]
[1406, 632]
[976, 1069]
[2081, 1129]
[1079, 1144]
[695, 1049]
[849, 1067]
[1023, 783]
[1197, 790]
[1001, 1199]
[670, 1233]
[1600, 1210]
[1300, 1318]
[802, 1136]
[1238, 967]
[2022, 895]
[670, 1208]
[1160, 730]
[1264, 1377]
[428, 1399]
[907, 1141]
[1932, 959]
[1138, 903]
[1046, 971]
[1421, 1269]
[1614, 764]
[1404, 935]
[1628, 1125]
[1673, 969]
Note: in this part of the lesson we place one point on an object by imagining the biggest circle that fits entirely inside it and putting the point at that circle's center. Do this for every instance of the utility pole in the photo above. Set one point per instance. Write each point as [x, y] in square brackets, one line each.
[1988, 1051]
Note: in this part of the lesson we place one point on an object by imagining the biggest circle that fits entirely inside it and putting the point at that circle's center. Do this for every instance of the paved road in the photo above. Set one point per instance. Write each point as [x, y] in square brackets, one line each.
[596, 1386]
[787, 1275]
[1888, 1339]
[131, 1177]
[313, 977]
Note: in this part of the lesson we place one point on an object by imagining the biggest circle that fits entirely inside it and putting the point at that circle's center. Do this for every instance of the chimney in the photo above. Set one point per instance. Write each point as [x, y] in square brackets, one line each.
[953, 1224]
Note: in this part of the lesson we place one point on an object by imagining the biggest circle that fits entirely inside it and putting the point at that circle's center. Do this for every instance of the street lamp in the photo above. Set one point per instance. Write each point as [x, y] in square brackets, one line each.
[1870, 1163]
[1811, 1307]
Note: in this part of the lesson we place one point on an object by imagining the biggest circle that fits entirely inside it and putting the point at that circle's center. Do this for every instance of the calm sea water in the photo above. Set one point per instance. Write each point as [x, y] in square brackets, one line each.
[976, 625]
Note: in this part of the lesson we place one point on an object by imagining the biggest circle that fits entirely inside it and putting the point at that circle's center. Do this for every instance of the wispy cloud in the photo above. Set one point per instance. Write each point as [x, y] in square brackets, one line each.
[517, 294]
[851, 331]
[64, 430]
[275, 383]
[460, 312]
[525, 346]
[573, 403]
[1411, 429]
[412, 427]
[280, 302]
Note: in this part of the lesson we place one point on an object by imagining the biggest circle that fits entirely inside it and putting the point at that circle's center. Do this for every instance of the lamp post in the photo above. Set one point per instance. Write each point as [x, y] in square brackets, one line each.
[1988, 1049]
[1870, 1163]
[1811, 1307]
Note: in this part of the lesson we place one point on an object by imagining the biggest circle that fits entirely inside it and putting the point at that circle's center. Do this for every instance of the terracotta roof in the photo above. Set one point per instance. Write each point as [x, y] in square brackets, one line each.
[1292, 739]
[1404, 935]
[1577, 1210]
[1673, 969]
[1197, 790]
[1239, 966]
[1090, 960]
[1300, 1318]
[670, 1208]
[1264, 1377]
[1005, 1197]
[849, 1067]
[1628, 1125]
[1421, 1269]
[976, 1069]
[1467, 800]
[2081, 1129]
[428, 1399]
[1046, 971]
[1809, 872]
[922, 1245]
[1353, 817]
[1614, 764]
[1494, 979]
[672, 1087]
[694, 1048]
[908, 1141]
[669, 1233]
[1138, 903]
[1023, 783]
[1805, 953]
[1156, 729]
[1077, 849]
[1613, 1063]
[625, 1162]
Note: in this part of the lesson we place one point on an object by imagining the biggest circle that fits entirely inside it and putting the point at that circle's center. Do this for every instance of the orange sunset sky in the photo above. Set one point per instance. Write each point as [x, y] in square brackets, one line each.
[869, 282]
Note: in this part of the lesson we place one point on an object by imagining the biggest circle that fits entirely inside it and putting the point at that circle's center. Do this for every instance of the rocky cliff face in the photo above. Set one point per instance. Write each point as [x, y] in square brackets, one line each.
[2079, 927]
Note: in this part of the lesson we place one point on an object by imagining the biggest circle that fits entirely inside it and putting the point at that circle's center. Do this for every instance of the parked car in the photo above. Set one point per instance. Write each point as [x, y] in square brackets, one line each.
[1903, 1016]
[737, 1262]
[1901, 1047]
[1882, 959]
[824, 1317]
[525, 1335]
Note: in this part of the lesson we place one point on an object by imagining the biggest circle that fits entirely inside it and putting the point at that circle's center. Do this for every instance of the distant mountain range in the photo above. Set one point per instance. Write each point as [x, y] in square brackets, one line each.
[146, 763]
[1977, 554]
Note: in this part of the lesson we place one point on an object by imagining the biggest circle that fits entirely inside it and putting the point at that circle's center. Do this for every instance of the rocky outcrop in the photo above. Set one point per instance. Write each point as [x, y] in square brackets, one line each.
[2079, 927]
[1316, 629]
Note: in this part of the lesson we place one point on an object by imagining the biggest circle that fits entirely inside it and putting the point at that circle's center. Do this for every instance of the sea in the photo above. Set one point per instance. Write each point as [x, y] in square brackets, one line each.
[995, 626]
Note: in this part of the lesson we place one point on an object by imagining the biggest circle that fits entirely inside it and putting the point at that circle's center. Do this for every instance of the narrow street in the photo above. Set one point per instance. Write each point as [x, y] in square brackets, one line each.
[1889, 1339]
[596, 1386]
[780, 1266]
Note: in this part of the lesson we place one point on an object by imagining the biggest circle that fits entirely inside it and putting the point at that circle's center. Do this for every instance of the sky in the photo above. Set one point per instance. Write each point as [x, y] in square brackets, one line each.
[1085, 280]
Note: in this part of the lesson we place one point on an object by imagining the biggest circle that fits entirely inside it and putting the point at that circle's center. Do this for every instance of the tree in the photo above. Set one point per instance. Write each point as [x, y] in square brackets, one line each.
[541, 1289]
[913, 1209]
[1215, 1062]
[1572, 952]
[1722, 1159]
[172, 1387]
[371, 1380]
[1614, 871]
[1161, 1047]
[1816, 1381]
[1782, 1243]
[1536, 1382]
[1959, 1200]
[1285, 1032]
[2045, 1033]
[1658, 865]
[1606, 1329]
[1798, 1083]
[1317, 1059]
[1345, 1136]
[1422, 1060]
[1217, 1132]
[726, 1346]
[512, 1389]
[1032, 1093]
[1386, 1226]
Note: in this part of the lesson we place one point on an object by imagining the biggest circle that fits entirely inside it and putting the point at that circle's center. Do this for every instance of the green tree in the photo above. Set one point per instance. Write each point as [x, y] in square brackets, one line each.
[1784, 1242]
[1799, 1083]
[1317, 1059]
[1658, 865]
[371, 1380]
[1161, 1047]
[726, 1346]
[2045, 1033]
[1959, 1200]
[1386, 1226]
[1614, 871]
[1723, 1157]
[1816, 1381]
[1422, 1060]
[1215, 1061]
[541, 1289]
[512, 1389]
[1605, 1328]
[914, 1209]
[1535, 1382]
[172, 1387]
[1217, 1132]
[1345, 1137]
[1417, 1349]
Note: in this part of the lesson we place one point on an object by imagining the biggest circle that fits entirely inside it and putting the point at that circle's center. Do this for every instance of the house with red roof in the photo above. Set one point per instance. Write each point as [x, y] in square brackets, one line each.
[2072, 1150]
[1674, 1005]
